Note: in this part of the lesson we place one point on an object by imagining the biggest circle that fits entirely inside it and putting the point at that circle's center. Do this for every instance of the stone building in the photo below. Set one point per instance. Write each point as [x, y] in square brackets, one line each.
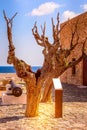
[77, 74]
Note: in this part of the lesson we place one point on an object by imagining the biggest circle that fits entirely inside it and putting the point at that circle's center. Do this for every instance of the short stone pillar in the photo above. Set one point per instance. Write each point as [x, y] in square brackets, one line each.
[58, 97]
[11, 99]
[8, 97]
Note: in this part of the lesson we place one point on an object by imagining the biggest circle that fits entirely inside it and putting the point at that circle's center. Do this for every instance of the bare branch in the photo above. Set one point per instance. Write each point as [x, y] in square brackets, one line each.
[41, 40]
[5, 16]
[72, 44]
[53, 28]
[62, 27]
[58, 22]
[43, 33]
[7, 19]
[80, 58]
[56, 32]
[37, 37]
[12, 18]
[43, 29]
[34, 28]
[11, 54]
[83, 49]
[71, 64]
[74, 34]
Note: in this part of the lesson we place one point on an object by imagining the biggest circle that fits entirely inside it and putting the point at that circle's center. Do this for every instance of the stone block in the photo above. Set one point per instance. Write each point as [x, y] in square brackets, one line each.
[11, 99]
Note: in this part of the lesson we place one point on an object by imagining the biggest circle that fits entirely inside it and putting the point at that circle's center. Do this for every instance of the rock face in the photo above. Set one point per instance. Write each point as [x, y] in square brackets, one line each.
[78, 77]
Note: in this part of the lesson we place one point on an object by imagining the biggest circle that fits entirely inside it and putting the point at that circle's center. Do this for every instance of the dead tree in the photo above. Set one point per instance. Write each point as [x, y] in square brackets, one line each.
[24, 71]
[55, 57]
[55, 63]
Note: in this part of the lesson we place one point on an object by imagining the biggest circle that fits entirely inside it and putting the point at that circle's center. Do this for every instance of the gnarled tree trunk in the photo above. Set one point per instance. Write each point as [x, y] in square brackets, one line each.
[55, 63]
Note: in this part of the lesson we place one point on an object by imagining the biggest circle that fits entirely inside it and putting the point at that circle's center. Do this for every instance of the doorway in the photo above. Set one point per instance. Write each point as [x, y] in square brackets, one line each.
[85, 71]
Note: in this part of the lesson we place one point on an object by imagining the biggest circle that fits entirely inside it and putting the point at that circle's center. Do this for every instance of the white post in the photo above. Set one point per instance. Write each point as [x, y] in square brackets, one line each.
[58, 97]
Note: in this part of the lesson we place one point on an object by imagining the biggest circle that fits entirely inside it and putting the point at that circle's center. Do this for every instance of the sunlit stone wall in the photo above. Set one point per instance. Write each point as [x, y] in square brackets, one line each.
[65, 38]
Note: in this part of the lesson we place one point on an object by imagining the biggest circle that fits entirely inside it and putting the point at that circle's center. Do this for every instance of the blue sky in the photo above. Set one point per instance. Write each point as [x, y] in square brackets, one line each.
[30, 11]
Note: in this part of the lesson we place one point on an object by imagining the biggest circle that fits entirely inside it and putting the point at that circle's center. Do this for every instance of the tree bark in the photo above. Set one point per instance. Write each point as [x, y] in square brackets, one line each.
[33, 99]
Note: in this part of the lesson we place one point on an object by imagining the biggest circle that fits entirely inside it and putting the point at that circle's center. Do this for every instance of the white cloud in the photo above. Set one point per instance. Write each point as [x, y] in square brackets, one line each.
[68, 15]
[45, 9]
[84, 7]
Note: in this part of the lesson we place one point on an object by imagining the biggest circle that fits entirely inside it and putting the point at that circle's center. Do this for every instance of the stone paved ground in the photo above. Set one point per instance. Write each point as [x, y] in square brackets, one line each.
[74, 113]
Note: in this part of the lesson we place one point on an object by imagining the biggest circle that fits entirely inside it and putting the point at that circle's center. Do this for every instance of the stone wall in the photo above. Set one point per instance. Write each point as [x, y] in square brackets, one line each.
[65, 37]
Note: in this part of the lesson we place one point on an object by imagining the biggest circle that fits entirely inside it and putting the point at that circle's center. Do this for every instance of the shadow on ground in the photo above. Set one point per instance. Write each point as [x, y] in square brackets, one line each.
[13, 118]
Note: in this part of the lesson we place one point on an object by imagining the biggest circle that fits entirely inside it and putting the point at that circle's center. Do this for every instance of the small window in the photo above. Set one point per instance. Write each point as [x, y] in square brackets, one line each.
[73, 68]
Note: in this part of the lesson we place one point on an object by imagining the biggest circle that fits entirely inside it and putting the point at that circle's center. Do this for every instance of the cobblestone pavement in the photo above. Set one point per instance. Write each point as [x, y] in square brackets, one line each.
[72, 93]
[74, 113]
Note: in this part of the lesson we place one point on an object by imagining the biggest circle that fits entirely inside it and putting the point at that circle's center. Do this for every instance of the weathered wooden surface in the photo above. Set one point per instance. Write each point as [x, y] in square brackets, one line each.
[58, 97]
